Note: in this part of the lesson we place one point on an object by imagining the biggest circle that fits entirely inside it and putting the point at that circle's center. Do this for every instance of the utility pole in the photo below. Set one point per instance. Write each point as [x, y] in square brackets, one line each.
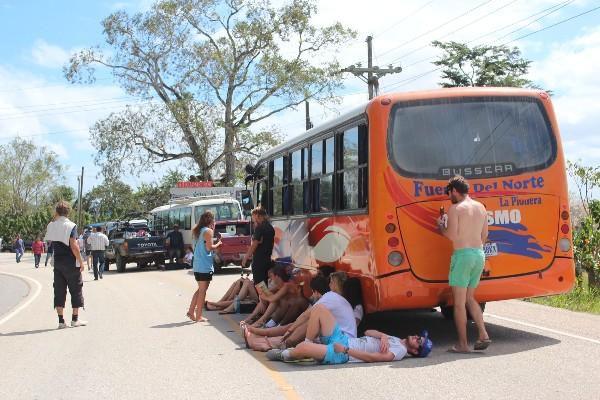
[373, 72]
[309, 124]
[79, 198]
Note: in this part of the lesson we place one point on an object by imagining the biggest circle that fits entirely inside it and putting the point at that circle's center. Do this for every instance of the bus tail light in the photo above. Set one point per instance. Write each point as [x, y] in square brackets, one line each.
[390, 228]
[393, 242]
[564, 215]
[564, 244]
[395, 258]
[564, 228]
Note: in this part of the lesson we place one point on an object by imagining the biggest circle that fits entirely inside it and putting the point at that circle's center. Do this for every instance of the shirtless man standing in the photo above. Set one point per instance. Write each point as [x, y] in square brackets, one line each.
[466, 226]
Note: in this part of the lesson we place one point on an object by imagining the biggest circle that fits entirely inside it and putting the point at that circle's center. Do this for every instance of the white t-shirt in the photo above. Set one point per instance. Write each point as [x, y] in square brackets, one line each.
[342, 312]
[371, 345]
[359, 313]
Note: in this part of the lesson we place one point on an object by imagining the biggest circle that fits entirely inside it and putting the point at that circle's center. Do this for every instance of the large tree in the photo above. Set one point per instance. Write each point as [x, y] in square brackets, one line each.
[111, 200]
[482, 65]
[216, 68]
[28, 173]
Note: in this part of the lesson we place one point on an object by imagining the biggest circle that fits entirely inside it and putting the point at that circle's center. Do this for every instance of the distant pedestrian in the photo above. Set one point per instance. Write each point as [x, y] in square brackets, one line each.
[37, 247]
[176, 244]
[467, 227]
[81, 244]
[98, 243]
[63, 234]
[88, 249]
[261, 246]
[203, 263]
[19, 248]
[48, 252]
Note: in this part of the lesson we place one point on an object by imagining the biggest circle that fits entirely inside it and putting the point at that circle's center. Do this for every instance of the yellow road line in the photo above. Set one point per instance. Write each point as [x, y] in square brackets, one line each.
[287, 389]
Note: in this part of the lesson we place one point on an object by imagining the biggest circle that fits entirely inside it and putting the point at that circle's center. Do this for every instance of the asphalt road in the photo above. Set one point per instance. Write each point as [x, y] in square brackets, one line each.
[139, 345]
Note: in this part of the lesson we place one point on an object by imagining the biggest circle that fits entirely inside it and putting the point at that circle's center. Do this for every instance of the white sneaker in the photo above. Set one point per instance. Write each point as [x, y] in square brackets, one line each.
[75, 324]
[62, 325]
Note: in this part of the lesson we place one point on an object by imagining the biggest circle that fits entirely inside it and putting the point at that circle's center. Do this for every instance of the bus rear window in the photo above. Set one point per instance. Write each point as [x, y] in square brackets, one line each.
[475, 137]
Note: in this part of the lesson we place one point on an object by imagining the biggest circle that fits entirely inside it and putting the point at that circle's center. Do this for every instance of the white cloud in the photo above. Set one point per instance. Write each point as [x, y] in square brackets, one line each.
[570, 71]
[49, 55]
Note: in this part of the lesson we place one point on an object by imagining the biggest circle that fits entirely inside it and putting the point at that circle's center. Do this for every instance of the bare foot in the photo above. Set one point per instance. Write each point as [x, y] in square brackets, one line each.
[190, 315]
[202, 319]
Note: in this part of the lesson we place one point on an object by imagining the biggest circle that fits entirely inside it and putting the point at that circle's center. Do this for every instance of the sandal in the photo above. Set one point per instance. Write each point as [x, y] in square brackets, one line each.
[481, 345]
[202, 319]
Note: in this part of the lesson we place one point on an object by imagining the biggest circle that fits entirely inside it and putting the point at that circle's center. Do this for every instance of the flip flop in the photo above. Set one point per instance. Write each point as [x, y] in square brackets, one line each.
[454, 350]
[482, 344]
[202, 319]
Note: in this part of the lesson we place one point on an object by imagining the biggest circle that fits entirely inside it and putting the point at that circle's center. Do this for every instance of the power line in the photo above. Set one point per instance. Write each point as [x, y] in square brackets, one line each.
[45, 111]
[547, 11]
[470, 23]
[412, 14]
[20, 106]
[436, 28]
[22, 89]
[416, 77]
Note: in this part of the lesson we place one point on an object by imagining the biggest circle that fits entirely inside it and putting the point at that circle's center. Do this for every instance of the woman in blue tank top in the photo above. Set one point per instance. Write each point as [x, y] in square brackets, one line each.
[203, 262]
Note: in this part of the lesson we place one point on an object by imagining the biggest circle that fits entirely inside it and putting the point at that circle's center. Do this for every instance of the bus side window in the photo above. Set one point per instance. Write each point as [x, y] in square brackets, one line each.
[352, 176]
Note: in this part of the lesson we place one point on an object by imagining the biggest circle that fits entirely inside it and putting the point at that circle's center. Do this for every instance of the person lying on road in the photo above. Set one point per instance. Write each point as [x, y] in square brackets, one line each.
[337, 348]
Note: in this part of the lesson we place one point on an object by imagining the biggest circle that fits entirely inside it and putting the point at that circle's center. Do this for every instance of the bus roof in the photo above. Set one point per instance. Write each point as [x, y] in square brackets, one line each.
[395, 97]
[354, 113]
[192, 202]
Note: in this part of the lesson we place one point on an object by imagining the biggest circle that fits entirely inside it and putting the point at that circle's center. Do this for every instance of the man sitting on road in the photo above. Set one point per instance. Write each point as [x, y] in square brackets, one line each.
[337, 348]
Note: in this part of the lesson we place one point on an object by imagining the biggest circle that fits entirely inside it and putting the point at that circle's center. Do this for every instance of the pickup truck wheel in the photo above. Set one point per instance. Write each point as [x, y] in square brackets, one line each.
[120, 263]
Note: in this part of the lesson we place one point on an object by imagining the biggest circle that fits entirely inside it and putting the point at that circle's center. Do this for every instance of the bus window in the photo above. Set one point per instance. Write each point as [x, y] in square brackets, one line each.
[186, 218]
[316, 160]
[352, 178]
[475, 137]
[329, 155]
[296, 167]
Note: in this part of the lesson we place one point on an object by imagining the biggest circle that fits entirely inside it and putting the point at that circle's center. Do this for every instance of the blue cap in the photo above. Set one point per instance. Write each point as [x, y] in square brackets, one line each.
[426, 346]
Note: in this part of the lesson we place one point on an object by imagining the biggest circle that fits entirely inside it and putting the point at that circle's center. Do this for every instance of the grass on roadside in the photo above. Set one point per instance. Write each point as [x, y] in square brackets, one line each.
[581, 298]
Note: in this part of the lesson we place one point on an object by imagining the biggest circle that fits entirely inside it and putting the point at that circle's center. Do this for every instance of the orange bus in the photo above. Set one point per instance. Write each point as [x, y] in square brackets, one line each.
[362, 193]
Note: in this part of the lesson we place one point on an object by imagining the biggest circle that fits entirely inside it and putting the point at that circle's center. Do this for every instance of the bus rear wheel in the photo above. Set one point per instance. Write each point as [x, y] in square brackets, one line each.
[448, 311]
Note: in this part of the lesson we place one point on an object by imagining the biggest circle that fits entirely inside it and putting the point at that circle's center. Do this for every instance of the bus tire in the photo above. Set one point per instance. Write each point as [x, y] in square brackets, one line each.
[448, 311]
[120, 263]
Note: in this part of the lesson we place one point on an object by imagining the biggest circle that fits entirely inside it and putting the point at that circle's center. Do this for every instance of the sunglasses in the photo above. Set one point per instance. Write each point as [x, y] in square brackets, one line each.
[420, 341]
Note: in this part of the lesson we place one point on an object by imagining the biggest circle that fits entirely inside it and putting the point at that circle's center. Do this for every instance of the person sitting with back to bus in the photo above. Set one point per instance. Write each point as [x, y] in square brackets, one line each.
[337, 348]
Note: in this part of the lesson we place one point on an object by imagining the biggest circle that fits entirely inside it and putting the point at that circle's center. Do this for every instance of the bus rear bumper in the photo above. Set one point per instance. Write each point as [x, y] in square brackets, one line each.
[405, 291]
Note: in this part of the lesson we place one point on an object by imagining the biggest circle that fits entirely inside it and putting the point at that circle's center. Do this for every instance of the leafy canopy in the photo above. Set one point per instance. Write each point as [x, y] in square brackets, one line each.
[482, 65]
[207, 71]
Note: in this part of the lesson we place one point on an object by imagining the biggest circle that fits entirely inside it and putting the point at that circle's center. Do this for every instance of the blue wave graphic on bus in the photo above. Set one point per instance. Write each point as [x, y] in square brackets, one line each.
[510, 242]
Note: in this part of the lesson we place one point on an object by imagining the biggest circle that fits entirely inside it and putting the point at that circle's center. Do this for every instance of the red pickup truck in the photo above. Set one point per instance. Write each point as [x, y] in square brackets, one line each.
[236, 238]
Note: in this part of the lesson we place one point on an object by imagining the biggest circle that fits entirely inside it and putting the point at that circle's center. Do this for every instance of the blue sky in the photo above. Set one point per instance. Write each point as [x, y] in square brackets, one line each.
[38, 36]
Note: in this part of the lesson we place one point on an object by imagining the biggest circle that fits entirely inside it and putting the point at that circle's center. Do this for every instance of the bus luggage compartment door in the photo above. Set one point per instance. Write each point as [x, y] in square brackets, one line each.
[522, 236]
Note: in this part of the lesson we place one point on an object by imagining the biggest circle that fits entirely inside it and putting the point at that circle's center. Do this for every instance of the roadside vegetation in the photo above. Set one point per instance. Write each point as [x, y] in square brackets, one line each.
[585, 213]
[582, 298]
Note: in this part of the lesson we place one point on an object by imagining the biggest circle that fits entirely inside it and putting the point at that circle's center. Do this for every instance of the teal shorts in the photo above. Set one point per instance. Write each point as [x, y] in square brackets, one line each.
[466, 267]
[337, 336]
